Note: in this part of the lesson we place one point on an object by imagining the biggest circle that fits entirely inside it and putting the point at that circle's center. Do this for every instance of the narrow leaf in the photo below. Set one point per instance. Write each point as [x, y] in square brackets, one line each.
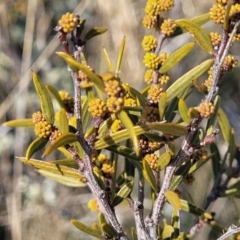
[139, 96]
[19, 123]
[167, 231]
[171, 109]
[93, 32]
[176, 57]
[107, 60]
[45, 99]
[109, 230]
[75, 66]
[148, 175]
[63, 121]
[67, 181]
[224, 126]
[185, 81]
[189, 207]
[122, 193]
[183, 110]
[53, 168]
[101, 219]
[162, 105]
[122, 115]
[56, 95]
[198, 33]
[62, 140]
[201, 19]
[169, 128]
[120, 55]
[173, 199]
[164, 160]
[134, 234]
[176, 224]
[84, 228]
[36, 145]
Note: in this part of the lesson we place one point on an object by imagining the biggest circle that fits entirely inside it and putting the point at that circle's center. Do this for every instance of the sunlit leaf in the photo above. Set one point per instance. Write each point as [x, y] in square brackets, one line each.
[120, 55]
[36, 145]
[162, 105]
[63, 121]
[109, 230]
[167, 231]
[45, 99]
[53, 168]
[148, 175]
[84, 228]
[185, 81]
[76, 66]
[122, 193]
[224, 126]
[19, 123]
[126, 121]
[173, 199]
[67, 181]
[107, 60]
[62, 140]
[93, 32]
[198, 33]
[176, 57]
[164, 160]
[138, 95]
[56, 95]
[183, 110]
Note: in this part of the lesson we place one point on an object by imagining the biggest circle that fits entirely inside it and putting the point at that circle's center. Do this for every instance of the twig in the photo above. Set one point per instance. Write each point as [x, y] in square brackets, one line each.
[231, 230]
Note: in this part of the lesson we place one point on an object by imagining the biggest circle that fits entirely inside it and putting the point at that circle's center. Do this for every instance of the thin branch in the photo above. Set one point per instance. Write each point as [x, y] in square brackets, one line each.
[231, 230]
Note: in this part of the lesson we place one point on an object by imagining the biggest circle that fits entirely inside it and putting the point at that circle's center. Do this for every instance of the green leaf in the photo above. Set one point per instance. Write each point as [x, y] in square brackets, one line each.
[148, 175]
[76, 66]
[107, 60]
[162, 105]
[56, 95]
[171, 109]
[183, 110]
[67, 181]
[173, 199]
[85, 113]
[164, 160]
[216, 159]
[224, 126]
[201, 19]
[19, 123]
[185, 81]
[62, 140]
[176, 57]
[120, 55]
[70, 162]
[199, 86]
[93, 32]
[167, 231]
[101, 219]
[232, 190]
[38, 144]
[53, 168]
[175, 222]
[198, 33]
[45, 99]
[130, 127]
[189, 207]
[84, 228]
[63, 121]
[139, 96]
[109, 230]
[211, 121]
[123, 193]
[168, 128]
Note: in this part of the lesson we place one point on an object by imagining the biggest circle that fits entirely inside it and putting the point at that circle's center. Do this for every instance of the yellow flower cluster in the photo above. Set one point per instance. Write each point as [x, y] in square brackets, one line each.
[216, 38]
[234, 13]
[113, 88]
[93, 205]
[217, 13]
[206, 109]
[54, 134]
[153, 8]
[114, 104]
[230, 62]
[151, 60]
[208, 82]
[116, 126]
[68, 22]
[149, 74]
[83, 78]
[168, 27]
[104, 165]
[166, 5]
[97, 107]
[149, 21]
[130, 102]
[222, 2]
[152, 160]
[154, 93]
[38, 117]
[149, 43]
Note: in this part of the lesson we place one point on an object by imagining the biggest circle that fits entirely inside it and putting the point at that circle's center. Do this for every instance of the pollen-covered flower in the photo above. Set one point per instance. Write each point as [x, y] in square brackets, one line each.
[151, 60]
[68, 22]
[152, 160]
[217, 13]
[97, 107]
[149, 21]
[93, 205]
[149, 43]
[168, 27]
[206, 109]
